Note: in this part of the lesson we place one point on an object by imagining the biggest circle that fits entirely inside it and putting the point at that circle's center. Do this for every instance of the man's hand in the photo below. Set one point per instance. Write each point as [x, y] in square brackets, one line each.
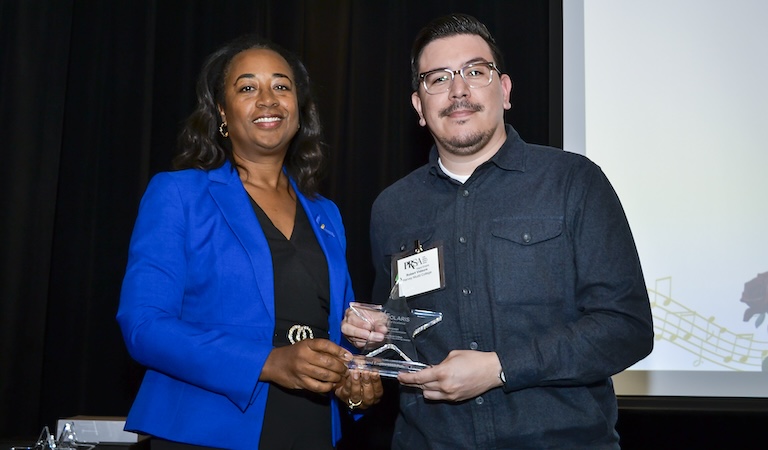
[462, 375]
[362, 326]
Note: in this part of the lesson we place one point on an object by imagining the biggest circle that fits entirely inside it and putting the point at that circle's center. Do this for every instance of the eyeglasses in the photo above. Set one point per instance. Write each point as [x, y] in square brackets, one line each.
[477, 75]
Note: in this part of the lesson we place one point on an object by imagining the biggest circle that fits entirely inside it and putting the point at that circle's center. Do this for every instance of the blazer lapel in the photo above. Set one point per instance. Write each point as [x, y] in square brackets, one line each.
[229, 194]
[330, 242]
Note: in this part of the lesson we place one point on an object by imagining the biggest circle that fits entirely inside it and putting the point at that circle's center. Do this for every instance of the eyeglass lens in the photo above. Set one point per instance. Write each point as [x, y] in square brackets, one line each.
[475, 75]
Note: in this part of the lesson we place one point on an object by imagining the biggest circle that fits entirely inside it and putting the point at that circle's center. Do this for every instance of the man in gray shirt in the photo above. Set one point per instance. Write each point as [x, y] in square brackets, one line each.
[543, 297]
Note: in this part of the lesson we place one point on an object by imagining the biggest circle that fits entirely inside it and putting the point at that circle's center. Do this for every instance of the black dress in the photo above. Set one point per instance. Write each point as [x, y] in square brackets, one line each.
[297, 419]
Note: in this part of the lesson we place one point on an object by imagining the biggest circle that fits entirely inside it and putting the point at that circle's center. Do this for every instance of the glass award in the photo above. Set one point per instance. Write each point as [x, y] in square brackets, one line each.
[400, 325]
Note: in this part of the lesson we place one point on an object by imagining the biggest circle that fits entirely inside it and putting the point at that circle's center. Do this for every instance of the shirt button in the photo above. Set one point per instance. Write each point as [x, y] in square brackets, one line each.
[465, 193]
[479, 400]
[473, 345]
[402, 248]
[466, 291]
[463, 240]
[526, 237]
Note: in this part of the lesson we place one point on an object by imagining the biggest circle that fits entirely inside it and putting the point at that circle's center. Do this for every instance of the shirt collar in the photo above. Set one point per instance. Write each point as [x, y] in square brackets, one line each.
[511, 155]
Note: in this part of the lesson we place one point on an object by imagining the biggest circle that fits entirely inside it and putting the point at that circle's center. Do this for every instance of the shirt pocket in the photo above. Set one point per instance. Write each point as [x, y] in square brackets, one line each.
[528, 257]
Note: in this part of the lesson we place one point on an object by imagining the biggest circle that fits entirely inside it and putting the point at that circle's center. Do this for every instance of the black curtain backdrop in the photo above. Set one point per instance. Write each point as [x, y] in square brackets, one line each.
[92, 96]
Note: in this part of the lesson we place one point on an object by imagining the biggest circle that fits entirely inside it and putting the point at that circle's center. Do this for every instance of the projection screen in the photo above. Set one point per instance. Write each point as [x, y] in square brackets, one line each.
[670, 98]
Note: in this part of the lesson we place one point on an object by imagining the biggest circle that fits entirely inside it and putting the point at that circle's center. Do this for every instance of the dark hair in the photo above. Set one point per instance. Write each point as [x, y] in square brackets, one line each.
[446, 26]
[201, 145]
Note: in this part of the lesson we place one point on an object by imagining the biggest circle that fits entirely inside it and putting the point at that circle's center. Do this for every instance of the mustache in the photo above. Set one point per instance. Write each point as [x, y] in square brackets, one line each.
[463, 104]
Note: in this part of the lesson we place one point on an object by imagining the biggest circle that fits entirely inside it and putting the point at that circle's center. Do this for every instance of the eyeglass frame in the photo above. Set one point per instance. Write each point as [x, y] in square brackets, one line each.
[491, 65]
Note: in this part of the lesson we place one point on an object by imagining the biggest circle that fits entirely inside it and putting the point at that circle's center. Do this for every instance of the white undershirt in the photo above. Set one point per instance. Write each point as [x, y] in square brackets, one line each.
[460, 178]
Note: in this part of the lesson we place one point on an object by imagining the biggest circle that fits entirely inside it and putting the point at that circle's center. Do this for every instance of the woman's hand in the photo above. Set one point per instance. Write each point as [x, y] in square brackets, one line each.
[317, 365]
[360, 389]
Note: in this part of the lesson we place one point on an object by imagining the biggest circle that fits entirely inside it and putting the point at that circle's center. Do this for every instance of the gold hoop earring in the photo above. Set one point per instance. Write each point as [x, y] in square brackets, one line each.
[223, 130]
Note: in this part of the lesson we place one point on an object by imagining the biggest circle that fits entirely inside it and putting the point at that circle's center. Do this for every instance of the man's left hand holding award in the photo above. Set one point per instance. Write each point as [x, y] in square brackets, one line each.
[384, 334]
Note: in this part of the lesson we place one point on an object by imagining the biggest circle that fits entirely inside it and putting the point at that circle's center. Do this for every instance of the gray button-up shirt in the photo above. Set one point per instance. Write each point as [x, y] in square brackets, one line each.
[541, 268]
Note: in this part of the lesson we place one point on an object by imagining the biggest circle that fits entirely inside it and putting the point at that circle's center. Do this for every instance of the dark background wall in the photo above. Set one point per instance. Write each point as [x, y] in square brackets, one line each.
[92, 96]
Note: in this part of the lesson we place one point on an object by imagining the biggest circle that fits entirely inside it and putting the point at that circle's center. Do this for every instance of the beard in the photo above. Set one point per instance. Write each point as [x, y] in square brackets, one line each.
[467, 143]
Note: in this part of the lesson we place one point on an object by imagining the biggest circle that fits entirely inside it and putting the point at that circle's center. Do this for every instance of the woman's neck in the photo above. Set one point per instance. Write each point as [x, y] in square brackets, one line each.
[263, 174]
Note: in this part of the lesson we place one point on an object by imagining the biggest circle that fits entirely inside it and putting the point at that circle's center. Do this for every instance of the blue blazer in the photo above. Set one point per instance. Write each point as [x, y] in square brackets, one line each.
[197, 306]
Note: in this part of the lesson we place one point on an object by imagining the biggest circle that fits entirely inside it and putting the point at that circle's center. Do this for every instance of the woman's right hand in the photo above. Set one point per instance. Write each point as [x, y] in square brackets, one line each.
[316, 365]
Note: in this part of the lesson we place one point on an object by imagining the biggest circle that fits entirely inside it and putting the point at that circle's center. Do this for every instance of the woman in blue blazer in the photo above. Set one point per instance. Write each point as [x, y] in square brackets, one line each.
[237, 278]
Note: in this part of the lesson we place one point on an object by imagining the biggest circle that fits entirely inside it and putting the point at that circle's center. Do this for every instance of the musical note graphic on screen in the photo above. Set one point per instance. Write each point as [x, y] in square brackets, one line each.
[702, 336]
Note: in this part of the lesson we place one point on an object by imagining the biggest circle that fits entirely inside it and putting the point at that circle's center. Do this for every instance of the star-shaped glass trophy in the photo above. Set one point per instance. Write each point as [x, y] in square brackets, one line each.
[400, 325]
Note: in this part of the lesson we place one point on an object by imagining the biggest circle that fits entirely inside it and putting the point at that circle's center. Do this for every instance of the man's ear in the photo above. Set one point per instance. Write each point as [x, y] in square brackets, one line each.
[416, 102]
[507, 86]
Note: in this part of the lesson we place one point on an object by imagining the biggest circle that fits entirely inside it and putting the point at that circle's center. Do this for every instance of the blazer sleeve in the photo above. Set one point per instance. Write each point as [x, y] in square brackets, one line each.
[163, 274]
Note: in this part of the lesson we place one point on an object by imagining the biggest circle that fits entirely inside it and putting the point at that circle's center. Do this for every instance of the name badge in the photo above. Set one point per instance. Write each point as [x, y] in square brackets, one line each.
[419, 271]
